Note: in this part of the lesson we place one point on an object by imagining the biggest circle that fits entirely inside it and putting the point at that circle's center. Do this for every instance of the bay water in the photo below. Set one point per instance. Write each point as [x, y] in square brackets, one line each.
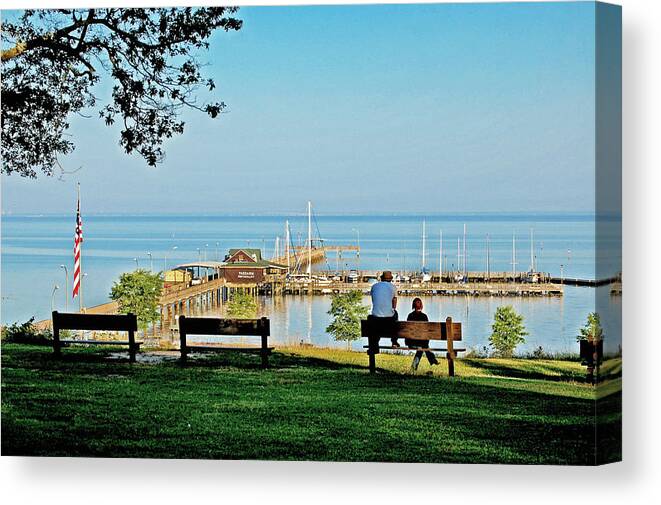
[35, 247]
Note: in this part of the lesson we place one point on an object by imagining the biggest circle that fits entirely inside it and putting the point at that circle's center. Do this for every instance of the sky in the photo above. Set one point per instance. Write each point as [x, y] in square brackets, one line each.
[364, 109]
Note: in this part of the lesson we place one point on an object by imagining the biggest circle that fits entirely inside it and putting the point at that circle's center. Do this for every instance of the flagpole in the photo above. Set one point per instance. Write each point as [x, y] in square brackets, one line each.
[80, 262]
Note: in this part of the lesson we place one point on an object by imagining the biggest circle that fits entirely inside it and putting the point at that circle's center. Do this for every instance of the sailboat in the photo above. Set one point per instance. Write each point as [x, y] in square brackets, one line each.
[532, 276]
[426, 276]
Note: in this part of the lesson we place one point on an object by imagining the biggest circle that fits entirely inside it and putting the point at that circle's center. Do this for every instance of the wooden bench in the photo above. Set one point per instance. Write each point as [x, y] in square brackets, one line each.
[592, 354]
[95, 322]
[228, 327]
[375, 329]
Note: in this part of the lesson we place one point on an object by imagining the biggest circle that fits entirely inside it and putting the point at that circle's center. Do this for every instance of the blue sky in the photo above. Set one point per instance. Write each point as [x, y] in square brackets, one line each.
[382, 108]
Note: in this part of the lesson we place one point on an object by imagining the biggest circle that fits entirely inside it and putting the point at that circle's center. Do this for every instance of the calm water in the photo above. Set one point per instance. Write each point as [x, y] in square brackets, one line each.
[33, 248]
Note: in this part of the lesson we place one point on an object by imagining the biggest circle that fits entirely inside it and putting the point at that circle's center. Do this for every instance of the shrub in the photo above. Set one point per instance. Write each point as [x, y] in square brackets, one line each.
[242, 306]
[477, 352]
[26, 333]
[592, 331]
[539, 353]
[138, 293]
[507, 331]
[346, 310]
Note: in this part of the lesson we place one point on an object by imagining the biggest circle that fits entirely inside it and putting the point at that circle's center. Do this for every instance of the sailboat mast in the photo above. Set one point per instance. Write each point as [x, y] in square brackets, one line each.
[440, 257]
[287, 241]
[532, 253]
[464, 249]
[424, 245]
[488, 259]
[310, 239]
[458, 255]
[513, 256]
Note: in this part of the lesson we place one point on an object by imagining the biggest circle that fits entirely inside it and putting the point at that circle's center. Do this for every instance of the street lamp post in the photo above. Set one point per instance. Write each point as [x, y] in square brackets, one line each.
[165, 258]
[82, 307]
[217, 253]
[52, 298]
[358, 243]
[136, 263]
[199, 255]
[151, 261]
[66, 288]
[206, 247]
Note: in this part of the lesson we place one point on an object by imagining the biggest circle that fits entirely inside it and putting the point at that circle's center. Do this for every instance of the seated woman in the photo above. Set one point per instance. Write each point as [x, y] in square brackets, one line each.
[419, 315]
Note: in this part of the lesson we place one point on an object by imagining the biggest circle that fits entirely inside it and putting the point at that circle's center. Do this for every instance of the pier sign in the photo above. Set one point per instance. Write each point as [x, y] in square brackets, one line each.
[247, 275]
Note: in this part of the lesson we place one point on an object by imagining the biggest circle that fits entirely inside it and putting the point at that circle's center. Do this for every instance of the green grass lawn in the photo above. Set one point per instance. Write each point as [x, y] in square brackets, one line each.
[312, 404]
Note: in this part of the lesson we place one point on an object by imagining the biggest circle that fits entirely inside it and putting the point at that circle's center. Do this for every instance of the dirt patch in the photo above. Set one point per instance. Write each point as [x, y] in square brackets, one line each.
[149, 357]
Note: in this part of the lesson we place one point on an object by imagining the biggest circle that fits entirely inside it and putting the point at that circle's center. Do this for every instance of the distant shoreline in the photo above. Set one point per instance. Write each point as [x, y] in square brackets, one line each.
[450, 216]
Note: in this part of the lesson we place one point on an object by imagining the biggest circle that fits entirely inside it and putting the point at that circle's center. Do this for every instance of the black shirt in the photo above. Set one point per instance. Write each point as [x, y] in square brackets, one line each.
[417, 316]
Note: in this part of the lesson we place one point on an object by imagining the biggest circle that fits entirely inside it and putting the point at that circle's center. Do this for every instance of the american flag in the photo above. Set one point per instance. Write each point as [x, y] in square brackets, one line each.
[77, 241]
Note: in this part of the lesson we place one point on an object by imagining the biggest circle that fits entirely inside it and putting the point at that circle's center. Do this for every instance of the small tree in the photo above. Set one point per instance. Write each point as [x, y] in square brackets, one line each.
[592, 331]
[347, 310]
[242, 306]
[507, 331]
[138, 292]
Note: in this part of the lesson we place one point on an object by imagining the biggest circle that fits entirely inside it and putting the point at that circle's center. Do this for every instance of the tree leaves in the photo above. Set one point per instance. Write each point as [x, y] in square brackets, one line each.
[507, 331]
[346, 310]
[138, 292]
[592, 331]
[242, 306]
[54, 58]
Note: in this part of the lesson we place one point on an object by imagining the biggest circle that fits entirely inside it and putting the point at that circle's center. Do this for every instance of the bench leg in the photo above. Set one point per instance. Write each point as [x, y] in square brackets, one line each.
[372, 357]
[131, 346]
[265, 359]
[57, 346]
[450, 364]
[590, 375]
[182, 341]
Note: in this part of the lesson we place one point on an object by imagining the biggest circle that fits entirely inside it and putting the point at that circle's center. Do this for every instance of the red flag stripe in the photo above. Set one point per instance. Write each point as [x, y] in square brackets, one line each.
[77, 240]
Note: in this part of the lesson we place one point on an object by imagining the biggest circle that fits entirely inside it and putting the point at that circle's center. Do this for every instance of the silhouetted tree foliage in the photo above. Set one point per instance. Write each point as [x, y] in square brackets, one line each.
[51, 60]
[507, 331]
[592, 331]
[138, 293]
[346, 310]
[242, 306]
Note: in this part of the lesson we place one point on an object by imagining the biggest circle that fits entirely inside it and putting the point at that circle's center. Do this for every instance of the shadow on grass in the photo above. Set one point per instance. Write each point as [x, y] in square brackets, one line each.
[537, 371]
[316, 409]
[277, 361]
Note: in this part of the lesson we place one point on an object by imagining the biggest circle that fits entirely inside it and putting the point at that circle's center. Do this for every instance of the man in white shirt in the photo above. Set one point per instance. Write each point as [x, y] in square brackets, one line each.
[384, 300]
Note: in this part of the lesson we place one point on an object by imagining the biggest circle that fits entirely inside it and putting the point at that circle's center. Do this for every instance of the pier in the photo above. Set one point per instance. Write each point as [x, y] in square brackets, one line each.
[299, 257]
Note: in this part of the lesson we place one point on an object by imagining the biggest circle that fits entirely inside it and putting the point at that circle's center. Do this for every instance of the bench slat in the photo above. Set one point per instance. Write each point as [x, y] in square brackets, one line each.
[414, 330]
[215, 326]
[75, 321]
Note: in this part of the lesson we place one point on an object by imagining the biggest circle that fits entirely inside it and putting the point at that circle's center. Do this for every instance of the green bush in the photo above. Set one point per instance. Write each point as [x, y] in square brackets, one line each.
[138, 293]
[592, 330]
[347, 310]
[507, 331]
[26, 333]
[242, 306]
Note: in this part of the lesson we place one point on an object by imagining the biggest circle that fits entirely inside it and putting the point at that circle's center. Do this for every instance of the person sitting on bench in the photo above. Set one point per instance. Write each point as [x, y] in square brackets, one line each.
[384, 300]
[419, 315]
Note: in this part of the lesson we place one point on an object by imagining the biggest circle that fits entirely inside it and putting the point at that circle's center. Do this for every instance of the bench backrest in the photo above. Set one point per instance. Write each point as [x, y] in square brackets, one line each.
[415, 330]
[115, 322]
[215, 326]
